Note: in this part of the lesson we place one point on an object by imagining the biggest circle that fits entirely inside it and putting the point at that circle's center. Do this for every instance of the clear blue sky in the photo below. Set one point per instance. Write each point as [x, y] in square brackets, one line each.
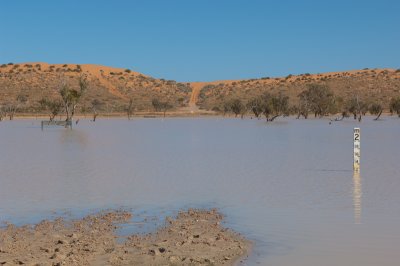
[204, 40]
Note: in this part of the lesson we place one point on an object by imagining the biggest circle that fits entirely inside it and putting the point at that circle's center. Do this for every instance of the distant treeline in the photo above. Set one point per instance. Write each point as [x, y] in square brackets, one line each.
[317, 100]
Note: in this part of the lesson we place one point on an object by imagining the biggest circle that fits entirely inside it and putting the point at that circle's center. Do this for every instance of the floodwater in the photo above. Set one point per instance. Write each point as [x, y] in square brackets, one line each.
[288, 185]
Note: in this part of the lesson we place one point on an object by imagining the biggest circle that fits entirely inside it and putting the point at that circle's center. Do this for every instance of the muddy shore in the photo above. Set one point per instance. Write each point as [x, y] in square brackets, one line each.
[194, 237]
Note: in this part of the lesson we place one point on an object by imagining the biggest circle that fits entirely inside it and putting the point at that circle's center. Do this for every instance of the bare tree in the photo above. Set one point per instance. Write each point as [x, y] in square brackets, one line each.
[95, 105]
[11, 108]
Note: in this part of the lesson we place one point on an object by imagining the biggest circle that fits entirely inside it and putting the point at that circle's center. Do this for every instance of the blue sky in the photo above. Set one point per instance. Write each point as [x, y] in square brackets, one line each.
[204, 40]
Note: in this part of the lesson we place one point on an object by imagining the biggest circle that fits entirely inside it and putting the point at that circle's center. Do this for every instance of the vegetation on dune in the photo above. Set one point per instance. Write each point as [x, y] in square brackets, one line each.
[67, 89]
[346, 93]
[316, 99]
[115, 91]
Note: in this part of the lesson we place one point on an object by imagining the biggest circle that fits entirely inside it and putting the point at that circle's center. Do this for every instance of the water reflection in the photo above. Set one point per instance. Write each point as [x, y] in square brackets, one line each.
[74, 136]
[357, 194]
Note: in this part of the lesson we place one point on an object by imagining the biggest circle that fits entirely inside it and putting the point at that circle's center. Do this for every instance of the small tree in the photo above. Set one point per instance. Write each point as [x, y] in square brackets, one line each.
[53, 106]
[165, 106]
[95, 105]
[267, 105]
[395, 106]
[226, 107]
[130, 109]
[237, 107]
[71, 97]
[280, 105]
[356, 107]
[255, 105]
[376, 109]
[320, 99]
[156, 104]
[3, 112]
[304, 105]
[11, 108]
[274, 105]
[161, 106]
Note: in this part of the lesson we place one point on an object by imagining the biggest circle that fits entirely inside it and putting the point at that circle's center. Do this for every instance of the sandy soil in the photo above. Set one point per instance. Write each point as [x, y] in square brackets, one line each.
[194, 237]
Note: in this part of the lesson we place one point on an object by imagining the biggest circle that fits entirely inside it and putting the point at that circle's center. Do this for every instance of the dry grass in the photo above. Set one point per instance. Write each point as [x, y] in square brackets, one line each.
[111, 86]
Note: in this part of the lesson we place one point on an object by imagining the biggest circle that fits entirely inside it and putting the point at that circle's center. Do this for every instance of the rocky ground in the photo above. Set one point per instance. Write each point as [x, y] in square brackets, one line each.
[194, 237]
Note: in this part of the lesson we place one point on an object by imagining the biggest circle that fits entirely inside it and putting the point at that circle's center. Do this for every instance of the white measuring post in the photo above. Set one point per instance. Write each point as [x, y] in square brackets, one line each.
[356, 148]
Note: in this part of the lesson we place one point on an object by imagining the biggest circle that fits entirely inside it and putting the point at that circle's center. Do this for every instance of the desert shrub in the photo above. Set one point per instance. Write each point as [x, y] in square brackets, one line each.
[216, 109]
[395, 105]
[128, 71]
[65, 65]
[10, 64]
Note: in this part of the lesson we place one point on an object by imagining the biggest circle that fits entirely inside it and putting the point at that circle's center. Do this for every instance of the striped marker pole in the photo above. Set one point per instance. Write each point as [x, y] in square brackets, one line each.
[356, 148]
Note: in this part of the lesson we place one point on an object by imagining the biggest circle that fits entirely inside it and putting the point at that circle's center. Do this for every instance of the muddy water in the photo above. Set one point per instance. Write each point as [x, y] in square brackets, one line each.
[289, 185]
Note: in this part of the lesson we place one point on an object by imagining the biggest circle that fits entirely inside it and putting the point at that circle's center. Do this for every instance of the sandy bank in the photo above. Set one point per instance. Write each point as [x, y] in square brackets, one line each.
[194, 237]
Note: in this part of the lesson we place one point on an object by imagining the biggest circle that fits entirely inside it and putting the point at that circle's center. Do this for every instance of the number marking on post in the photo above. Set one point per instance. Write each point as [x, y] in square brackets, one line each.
[356, 148]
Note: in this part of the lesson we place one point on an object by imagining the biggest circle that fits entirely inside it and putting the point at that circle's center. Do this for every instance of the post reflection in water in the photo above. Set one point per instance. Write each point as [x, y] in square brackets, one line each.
[357, 196]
